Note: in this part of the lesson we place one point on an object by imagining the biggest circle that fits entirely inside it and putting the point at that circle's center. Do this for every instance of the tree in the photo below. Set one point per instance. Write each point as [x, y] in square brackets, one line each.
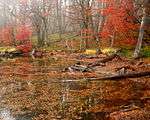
[120, 22]
[86, 18]
[23, 36]
[39, 12]
[144, 24]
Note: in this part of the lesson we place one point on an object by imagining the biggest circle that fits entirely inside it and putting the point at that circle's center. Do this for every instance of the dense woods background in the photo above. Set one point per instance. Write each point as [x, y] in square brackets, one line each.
[75, 24]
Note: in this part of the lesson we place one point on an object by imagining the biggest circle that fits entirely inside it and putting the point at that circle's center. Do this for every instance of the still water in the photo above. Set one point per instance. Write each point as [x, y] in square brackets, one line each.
[34, 89]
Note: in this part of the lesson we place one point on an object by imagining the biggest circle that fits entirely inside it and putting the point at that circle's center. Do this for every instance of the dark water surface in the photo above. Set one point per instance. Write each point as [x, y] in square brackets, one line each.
[33, 89]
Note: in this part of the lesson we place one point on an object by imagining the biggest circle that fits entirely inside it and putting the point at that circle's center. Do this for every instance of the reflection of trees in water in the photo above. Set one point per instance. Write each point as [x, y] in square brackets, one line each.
[37, 94]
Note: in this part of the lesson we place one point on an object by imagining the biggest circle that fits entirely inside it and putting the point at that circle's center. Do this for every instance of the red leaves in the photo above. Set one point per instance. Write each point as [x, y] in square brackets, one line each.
[23, 35]
[25, 48]
[20, 36]
[119, 19]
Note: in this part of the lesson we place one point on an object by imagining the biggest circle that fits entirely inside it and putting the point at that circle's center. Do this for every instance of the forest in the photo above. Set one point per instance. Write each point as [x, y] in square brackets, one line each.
[74, 59]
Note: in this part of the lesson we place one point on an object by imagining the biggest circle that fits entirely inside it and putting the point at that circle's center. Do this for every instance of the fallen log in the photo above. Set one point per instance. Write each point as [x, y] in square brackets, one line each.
[124, 69]
[103, 61]
[122, 76]
[87, 56]
[11, 54]
[113, 77]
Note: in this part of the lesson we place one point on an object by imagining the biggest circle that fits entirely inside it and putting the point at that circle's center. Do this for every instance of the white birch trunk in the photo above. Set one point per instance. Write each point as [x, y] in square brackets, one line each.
[143, 25]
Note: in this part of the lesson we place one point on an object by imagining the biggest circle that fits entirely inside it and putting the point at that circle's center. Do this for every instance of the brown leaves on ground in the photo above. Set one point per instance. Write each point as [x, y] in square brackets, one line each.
[34, 87]
[131, 115]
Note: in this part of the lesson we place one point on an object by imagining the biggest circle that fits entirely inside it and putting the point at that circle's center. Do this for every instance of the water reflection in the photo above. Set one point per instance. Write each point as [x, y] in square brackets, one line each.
[35, 92]
[5, 114]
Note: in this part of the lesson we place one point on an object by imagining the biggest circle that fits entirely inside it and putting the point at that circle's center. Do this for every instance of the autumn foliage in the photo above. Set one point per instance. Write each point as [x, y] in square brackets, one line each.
[119, 21]
[6, 35]
[19, 36]
[23, 37]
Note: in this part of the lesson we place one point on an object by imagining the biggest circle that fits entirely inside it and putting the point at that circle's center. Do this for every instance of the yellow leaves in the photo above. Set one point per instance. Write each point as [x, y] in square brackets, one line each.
[90, 52]
[109, 51]
[7, 49]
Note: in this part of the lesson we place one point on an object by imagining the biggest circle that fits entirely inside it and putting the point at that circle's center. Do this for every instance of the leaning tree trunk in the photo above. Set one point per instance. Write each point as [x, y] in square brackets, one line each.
[144, 23]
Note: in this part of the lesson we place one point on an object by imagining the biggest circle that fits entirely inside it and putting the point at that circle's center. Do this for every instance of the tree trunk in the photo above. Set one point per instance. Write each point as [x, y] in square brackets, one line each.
[99, 62]
[13, 36]
[39, 38]
[112, 40]
[144, 22]
[59, 18]
[140, 39]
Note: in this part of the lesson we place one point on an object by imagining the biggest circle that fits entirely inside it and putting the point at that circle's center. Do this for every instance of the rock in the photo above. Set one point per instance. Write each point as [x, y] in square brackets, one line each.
[135, 114]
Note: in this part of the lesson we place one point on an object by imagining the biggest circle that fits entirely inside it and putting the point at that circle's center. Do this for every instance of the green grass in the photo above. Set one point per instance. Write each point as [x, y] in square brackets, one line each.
[34, 40]
[126, 51]
[64, 37]
[57, 45]
[145, 52]
[54, 37]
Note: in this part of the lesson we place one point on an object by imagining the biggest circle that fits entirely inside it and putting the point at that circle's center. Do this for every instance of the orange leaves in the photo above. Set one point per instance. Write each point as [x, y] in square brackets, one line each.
[108, 10]
[119, 19]
[9, 33]
[23, 35]
[130, 41]
[20, 36]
